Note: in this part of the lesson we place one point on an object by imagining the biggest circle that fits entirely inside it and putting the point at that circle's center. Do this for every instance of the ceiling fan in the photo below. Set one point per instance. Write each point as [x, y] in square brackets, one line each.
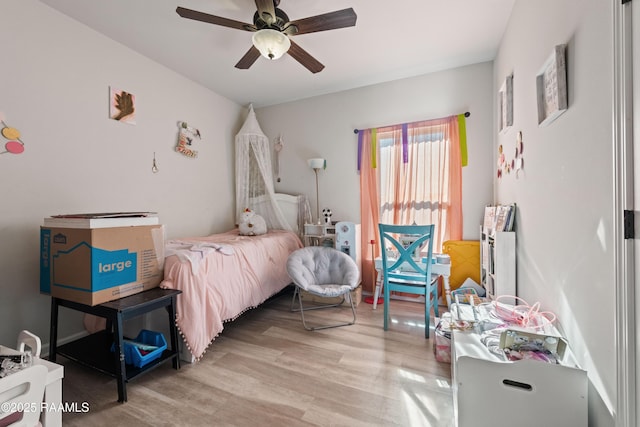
[272, 29]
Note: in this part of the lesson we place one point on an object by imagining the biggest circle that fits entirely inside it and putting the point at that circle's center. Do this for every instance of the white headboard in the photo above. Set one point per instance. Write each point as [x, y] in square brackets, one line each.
[288, 205]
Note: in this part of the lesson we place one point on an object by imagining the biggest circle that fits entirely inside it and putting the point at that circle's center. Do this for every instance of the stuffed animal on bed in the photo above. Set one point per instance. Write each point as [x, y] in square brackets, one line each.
[251, 224]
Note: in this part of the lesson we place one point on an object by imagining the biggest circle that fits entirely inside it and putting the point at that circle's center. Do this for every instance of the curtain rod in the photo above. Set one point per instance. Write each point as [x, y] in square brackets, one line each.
[466, 114]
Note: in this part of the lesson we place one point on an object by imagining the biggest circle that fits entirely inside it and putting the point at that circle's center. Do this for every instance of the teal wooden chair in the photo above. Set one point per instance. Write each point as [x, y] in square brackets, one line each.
[408, 271]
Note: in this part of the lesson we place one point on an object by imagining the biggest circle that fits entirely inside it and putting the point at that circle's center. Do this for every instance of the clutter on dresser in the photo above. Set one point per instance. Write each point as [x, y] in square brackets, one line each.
[511, 332]
[10, 363]
[522, 345]
[513, 356]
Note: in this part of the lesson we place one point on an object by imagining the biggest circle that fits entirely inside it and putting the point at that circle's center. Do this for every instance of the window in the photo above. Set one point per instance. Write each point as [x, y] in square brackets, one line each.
[414, 177]
[426, 188]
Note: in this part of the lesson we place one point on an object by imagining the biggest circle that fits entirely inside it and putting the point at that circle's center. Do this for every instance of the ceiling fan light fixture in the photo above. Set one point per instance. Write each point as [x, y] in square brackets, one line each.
[272, 44]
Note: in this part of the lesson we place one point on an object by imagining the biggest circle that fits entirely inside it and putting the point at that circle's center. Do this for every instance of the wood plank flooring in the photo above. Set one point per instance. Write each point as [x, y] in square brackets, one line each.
[265, 369]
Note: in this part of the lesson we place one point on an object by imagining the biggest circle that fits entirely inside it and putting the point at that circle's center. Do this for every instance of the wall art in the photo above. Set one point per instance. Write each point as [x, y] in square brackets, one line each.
[122, 106]
[516, 163]
[14, 144]
[185, 138]
[505, 104]
[551, 87]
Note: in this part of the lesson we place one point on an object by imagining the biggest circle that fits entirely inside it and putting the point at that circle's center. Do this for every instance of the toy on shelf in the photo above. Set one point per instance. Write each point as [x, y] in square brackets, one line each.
[326, 212]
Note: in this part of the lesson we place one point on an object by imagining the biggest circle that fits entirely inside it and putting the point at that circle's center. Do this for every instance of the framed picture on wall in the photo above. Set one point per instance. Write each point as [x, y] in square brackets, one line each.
[505, 104]
[551, 87]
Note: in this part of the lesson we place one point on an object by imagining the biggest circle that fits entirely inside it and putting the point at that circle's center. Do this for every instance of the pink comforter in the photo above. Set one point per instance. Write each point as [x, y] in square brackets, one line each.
[234, 274]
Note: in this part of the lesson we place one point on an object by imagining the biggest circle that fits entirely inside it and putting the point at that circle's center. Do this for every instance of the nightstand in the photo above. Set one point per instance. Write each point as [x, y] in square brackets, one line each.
[320, 234]
[94, 351]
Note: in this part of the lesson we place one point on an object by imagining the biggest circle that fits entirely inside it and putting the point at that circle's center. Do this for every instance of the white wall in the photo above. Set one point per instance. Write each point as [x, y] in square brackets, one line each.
[635, 63]
[54, 88]
[323, 127]
[565, 193]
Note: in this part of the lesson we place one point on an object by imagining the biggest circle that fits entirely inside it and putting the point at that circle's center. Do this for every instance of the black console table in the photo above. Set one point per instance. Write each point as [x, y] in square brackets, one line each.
[94, 351]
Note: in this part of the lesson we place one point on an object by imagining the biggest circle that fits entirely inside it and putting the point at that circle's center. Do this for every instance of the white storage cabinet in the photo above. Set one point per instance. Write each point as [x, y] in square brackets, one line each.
[488, 391]
[498, 263]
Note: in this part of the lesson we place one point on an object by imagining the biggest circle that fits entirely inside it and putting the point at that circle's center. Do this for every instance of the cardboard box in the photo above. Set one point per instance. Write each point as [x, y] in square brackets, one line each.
[93, 266]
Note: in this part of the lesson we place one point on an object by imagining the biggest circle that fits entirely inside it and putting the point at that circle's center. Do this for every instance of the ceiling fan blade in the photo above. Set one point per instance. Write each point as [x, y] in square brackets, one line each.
[266, 10]
[212, 19]
[327, 21]
[248, 59]
[303, 57]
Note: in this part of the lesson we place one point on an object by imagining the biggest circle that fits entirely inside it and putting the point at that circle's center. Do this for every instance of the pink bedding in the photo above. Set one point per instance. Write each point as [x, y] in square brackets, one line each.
[223, 275]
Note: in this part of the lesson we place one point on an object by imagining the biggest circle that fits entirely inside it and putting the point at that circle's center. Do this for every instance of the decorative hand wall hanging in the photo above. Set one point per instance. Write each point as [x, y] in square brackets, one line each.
[122, 106]
[14, 144]
[186, 137]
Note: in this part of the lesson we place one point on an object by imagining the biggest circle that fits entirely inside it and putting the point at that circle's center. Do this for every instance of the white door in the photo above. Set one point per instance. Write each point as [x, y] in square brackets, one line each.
[627, 200]
[635, 49]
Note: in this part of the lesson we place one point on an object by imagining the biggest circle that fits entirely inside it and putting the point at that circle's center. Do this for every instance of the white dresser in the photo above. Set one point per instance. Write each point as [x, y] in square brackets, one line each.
[52, 414]
[489, 391]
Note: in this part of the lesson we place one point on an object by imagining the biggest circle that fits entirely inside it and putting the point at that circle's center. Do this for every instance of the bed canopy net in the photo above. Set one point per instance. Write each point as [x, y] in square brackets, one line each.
[254, 178]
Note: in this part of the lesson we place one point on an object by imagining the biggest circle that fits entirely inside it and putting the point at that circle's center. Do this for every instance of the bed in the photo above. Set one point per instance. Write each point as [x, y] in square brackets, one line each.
[224, 275]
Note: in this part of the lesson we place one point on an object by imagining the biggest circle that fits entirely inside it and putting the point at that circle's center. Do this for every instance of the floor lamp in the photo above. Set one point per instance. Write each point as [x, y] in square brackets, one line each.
[316, 165]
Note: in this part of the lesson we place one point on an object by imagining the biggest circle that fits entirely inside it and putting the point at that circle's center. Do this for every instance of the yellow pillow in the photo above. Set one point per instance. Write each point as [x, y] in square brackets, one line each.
[465, 261]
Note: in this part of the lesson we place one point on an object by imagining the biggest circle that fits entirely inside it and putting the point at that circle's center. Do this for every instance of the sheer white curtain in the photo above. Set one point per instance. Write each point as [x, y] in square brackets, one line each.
[415, 175]
[254, 175]
[437, 172]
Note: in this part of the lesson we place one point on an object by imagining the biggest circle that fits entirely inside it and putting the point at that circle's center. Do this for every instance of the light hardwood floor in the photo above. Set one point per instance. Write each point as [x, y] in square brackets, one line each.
[265, 369]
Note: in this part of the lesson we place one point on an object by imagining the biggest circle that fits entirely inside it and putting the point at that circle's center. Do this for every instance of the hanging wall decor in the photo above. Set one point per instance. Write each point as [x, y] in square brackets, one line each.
[516, 164]
[122, 106]
[518, 161]
[551, 87]
[185, 138]
[14, 144]
[154, 165]
[278, 146]
[505, 104]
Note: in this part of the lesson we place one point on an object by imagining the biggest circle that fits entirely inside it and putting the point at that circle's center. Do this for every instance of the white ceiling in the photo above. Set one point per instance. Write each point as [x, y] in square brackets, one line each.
[391, 40]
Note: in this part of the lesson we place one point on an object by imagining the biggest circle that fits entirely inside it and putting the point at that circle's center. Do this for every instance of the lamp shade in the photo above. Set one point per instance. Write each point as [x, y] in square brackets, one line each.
[317, 163]
[272, 44]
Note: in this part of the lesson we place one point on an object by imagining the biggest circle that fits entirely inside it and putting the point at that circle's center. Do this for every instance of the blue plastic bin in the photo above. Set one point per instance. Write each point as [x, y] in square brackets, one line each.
[132, 354]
